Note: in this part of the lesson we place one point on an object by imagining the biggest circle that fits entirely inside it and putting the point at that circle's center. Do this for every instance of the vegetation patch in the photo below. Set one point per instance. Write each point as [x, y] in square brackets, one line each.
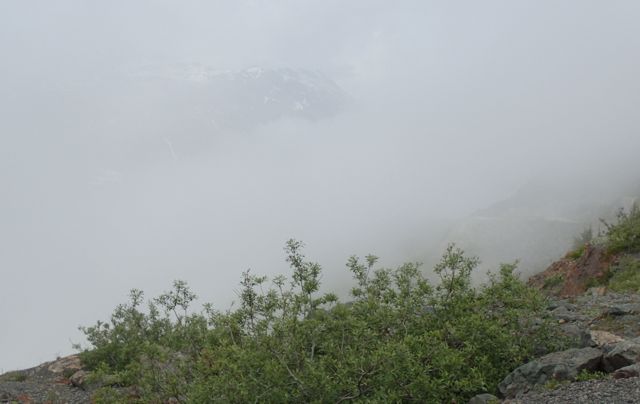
[624, 235]
[586, 375]
[553, 281]
[611, 324]
[577, 253]
[554, 384]
[598, 281]
[625, 276]
[15, 376]
[398, 338]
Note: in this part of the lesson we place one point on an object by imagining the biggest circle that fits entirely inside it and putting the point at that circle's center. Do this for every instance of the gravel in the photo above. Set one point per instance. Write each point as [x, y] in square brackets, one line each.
[606, 391]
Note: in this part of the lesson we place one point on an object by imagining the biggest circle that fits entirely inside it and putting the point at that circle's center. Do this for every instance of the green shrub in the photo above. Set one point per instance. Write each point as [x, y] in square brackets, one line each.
[577, 253]
[625, 276]
[554, 384]
[108, 395]
[553, 281]
[398, 339]
[624, 235]
[148, 348]
[585, 375]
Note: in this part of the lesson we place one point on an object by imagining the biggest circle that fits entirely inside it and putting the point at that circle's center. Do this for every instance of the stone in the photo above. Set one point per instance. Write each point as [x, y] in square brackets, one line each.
[66, 363]
[597, 291]
[564, 314]
[485, 398]
[564, 365]
[627, 371]
[598, 338]
[623, 354]
[623, 309]
[573, 331]
[6, 397]
[79, 378]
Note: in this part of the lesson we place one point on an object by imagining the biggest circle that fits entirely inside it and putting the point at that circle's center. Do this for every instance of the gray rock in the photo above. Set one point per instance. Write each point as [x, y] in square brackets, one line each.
[623, 354]
[597, 338]
[6, 397]
[563, 313]
[573, 331]
[61, 365]
[623, 309]
[606, 391]
[485, 398]
[627, 371]
[564, 365]
[79, 378]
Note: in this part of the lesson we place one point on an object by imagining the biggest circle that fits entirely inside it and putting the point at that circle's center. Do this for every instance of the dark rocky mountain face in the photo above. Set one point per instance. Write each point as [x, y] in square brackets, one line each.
[228, 100]
[154, 114]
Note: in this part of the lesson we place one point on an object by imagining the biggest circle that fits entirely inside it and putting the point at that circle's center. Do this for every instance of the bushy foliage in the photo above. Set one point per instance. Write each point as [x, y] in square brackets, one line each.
[625, 275]
[138, 344]
[624, 235]
[398, 338]
[577, 253]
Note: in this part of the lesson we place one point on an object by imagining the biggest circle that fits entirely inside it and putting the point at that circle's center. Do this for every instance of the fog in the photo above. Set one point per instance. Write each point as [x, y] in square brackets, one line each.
[148, 141]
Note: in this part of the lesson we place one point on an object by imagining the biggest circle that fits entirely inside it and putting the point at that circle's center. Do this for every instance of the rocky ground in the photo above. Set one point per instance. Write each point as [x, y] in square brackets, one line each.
[51, 382]
[610, 391]
[607, 328]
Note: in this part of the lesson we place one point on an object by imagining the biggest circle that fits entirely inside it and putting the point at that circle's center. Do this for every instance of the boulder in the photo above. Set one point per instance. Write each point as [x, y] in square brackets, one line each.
[597, 338]
[67, 363]
[597, 291]
[568, 313]
[627, 371]
[623, 354]
[623, 309]
[574, 331]
[564, 365]
[485, 398]
[79, 379]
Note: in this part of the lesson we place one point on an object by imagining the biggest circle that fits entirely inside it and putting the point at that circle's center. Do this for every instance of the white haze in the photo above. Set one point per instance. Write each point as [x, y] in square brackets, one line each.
[451, 107]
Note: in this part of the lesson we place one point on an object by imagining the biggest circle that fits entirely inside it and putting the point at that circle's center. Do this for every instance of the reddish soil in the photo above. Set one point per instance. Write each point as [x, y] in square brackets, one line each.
[573, 276]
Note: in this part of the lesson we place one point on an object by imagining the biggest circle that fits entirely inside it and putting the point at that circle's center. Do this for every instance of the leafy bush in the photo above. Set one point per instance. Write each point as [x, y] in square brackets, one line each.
[624, 235]
[625, 276]
[577, 253]
[553, 281]
[398, 339]
[140, 344]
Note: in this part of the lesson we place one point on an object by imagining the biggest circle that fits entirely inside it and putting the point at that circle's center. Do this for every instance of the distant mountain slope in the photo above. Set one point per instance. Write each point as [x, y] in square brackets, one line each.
[536, 225]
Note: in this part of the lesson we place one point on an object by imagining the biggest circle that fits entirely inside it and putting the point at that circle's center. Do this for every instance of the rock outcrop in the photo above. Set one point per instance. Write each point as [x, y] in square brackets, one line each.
[46, 383]
[623, 354]
[572, 276]
[559, 366]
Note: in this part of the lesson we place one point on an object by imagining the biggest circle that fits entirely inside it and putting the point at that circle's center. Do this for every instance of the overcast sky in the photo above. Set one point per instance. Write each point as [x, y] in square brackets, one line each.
[453, 105]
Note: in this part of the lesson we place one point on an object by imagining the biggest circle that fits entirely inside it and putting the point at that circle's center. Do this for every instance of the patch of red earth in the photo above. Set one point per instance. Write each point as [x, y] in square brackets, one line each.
[575, 275]
[24, 399]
